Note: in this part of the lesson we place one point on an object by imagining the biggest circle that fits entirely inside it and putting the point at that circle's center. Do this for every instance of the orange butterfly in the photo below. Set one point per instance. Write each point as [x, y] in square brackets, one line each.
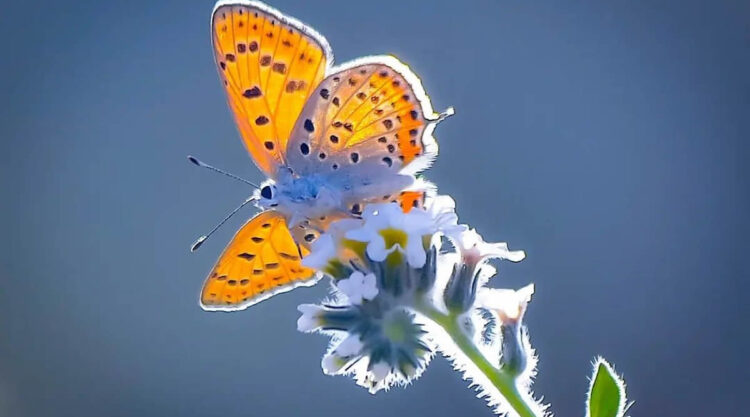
[330, 140]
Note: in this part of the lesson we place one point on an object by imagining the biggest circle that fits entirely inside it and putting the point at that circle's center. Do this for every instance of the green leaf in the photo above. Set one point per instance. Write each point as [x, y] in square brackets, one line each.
[607, 392]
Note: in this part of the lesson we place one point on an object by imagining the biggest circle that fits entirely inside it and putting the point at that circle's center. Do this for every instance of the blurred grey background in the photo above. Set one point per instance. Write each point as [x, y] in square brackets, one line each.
[607, 139]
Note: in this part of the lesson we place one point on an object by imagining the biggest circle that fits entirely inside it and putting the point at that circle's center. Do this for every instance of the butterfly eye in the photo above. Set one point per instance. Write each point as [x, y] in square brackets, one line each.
[266, 193]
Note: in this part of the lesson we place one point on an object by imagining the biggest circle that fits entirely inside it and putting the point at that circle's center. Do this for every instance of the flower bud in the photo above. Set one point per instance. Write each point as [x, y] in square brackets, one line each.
[428, 274]
[461, 288]
[359, 287]
[510, 306]
[513, 356]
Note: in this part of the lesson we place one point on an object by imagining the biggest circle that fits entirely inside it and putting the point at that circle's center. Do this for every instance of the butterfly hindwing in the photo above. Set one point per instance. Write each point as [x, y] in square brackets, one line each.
[415, 196]
[269, 64]
[261, 260]
[371, 115]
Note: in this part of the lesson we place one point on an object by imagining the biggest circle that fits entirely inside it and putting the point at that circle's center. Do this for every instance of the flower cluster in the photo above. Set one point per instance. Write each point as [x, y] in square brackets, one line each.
[409, 284]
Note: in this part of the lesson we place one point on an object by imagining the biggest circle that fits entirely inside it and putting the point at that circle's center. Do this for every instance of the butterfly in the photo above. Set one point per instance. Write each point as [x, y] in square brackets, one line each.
[330, 140]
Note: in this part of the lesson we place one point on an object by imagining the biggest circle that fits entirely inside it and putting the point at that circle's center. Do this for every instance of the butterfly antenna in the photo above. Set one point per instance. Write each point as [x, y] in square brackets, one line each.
[202, 164]
[203, 238]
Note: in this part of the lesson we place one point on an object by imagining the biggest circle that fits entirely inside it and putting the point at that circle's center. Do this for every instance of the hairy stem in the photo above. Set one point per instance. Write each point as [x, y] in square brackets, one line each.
[503, 381]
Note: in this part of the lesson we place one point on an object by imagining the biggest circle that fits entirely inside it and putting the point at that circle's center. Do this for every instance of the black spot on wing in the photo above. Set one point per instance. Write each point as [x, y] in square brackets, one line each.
[252, 92]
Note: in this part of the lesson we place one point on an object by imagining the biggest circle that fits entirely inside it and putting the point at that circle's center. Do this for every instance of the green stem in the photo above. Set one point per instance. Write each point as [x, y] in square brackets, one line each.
[503, 381]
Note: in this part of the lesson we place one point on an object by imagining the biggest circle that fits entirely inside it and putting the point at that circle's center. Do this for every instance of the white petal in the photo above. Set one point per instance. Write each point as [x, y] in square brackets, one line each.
[441, 204]
[309, 320]
[358, 277]
[468, 239]
[515, 255]
[332, 364]
[474, 249]
[380, 371]
[349, 290]
[501, 251]
[510, 305]
[415, 253]
[350, 346]
[370, 287]
[418, 222]
[362, 234]
[353, 287]
[323, 250]
[389, 211]
[376, 249]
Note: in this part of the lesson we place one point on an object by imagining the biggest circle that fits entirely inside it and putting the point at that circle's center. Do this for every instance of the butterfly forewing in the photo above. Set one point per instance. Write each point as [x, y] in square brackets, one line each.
[261, 260]
[372, 113]
[269, 64]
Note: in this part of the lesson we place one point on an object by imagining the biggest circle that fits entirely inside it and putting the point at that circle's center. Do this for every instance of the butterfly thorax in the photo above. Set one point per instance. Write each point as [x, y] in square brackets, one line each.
[300, 198]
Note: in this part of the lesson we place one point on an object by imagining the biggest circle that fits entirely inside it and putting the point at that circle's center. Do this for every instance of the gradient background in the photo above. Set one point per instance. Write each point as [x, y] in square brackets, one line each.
[607, 139]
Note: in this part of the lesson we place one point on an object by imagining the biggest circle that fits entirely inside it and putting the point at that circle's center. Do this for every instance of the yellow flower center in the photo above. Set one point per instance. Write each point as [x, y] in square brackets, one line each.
[394, 237]
[355, 246]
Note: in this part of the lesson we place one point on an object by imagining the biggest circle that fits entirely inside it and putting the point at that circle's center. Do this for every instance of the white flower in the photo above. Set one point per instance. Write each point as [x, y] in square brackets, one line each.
[442, 209]
[510, 305]
[387, 229]
[323, 251]
[474, 249]
[359, 287]
[327, 247]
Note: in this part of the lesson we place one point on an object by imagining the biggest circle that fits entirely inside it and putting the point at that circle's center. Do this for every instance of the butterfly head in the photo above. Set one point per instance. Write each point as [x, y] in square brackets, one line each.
[267, 195]
[298, 197]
